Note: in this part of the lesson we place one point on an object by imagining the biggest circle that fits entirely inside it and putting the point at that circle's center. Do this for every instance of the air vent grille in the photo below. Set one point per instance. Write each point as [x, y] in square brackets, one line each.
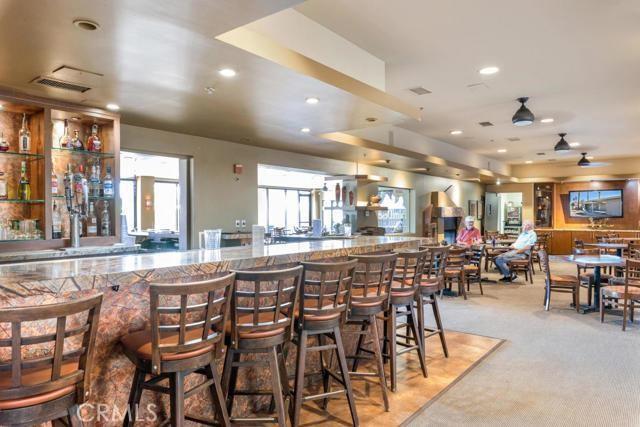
[513, 139]
[60, 84]
[420, 90]
[485, 124]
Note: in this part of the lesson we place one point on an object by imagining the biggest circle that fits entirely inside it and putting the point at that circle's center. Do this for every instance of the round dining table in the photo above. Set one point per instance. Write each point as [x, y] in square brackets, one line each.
[619, 247]
[596, 262]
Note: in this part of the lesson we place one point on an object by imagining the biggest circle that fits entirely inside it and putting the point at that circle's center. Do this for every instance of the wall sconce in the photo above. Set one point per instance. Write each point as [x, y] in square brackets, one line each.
[148, 203]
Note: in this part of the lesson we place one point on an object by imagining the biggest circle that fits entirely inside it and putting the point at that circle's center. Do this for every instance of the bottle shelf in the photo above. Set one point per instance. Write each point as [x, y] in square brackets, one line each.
[61, 196]
[21, 240]
[85, 153]
[27, 202]
[27, 156]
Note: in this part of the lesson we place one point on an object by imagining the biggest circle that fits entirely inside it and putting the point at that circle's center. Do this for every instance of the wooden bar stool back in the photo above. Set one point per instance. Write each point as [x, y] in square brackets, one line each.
[404, 292]
[322, 310]
[626, 289]
[35, 389]
[370, 296]
[431, 283]
[187, 327]
[262, 312]
[563, 283]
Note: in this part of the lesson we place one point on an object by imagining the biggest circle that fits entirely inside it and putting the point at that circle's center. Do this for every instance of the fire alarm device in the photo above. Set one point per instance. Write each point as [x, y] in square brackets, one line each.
[237, 169]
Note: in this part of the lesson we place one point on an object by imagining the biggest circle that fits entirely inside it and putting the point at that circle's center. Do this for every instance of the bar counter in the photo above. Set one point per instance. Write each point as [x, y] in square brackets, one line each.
[124, 282]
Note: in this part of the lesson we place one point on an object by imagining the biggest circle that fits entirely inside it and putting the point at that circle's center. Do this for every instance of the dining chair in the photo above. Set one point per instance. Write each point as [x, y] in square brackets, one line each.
[560, 283]
[626, 289]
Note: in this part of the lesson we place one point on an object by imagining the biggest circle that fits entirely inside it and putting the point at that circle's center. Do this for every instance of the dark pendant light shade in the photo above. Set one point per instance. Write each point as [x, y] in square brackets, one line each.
[524, 116]
[562, 145]
[584, 162]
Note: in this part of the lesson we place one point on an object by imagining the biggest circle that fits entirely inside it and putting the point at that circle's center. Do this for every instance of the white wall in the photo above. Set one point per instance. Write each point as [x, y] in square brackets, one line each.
[219, 197]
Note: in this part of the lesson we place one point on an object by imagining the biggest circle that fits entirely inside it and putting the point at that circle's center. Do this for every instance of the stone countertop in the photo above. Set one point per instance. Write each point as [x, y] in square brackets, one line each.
[58, 277]
[83, 251]
[598, 230]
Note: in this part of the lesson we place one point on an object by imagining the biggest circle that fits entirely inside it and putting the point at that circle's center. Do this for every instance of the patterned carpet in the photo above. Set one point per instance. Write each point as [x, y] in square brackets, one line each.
[557, 368]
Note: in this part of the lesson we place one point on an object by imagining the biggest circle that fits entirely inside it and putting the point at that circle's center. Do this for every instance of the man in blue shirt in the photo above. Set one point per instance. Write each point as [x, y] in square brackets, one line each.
[520, 249]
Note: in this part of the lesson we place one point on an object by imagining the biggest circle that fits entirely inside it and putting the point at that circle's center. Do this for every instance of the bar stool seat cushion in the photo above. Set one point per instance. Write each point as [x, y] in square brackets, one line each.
[316, 317]
[431, 284]
[359, 293]
[564, 279]
[248, 318]
[617, 291]
[139, 343]
[399, 291]
[34, 376]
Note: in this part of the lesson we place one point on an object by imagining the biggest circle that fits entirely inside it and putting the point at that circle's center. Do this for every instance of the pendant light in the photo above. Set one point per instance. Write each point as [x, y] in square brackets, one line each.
[562, 145]
[524, 116]
[584, 162]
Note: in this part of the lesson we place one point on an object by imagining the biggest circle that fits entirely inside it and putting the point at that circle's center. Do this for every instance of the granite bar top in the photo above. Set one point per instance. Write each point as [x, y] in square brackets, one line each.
[83, 251]
[57, 277]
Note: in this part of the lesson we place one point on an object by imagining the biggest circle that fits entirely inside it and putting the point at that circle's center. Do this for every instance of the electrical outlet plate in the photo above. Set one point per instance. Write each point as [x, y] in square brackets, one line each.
[244, 223]
[237, 223]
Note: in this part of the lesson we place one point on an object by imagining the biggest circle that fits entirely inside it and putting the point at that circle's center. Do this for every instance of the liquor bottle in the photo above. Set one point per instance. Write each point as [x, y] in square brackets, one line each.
[94, 182]
[77, 181]
[76, 142]
[93, 142]
[3, 187]
[107, 183]
[105, 225]
[91, 222]
[100, 190]
[54, 183]
[56, 221]
[65, 139]
[24, 136]
[4, 145]
[25, 186]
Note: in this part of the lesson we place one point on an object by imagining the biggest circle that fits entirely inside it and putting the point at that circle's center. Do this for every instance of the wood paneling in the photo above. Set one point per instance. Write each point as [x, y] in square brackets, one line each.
[630, 220]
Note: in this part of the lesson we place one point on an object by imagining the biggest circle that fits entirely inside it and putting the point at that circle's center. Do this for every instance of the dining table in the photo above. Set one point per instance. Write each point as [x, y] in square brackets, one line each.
[619, 247]
[596, 262]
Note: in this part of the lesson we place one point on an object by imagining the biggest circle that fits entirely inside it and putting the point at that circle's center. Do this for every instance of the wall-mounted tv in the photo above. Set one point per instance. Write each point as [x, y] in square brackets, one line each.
[595, 204]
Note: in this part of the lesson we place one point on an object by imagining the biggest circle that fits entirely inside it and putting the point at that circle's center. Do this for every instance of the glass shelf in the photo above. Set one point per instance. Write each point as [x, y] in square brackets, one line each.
[86, 153]
[61, 196]
[20, 240]
[28, 156]
[29, 202]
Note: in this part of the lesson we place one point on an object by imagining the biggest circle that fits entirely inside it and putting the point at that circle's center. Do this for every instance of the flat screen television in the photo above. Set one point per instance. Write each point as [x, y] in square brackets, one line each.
[595, 204]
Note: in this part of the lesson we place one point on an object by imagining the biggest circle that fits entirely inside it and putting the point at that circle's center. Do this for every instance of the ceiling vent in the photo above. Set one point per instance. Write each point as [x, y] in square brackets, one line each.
[485, 124]
[513, 139]
[420, 90]
[60, 84]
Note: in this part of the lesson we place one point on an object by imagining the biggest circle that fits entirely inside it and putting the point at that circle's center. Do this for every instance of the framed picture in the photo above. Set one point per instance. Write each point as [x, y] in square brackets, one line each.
[480, 209]
[473, 208]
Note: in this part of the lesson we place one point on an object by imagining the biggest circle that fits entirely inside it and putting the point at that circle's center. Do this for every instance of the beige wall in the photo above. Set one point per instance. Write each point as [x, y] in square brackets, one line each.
[527, 196]
[218, 199]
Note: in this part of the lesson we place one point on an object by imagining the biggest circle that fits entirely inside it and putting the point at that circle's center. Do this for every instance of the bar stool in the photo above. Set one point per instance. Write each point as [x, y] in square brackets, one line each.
[183, 339]
[262, 313]
[431, 284]
[325, 292]
[370, 294]
[36, 389]
[406, 280]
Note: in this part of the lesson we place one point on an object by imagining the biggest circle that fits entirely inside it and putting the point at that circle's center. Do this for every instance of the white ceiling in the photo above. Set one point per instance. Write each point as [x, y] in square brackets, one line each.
[578, 61]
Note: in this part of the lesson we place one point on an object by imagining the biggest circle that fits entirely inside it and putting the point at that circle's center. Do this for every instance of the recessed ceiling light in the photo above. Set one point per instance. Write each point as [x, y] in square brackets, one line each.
[574, 144]
[487, 71]
[227, 72]
[210, 90]
[305, 130]
[590, 157]
[498, 181]
[547, 120]
[86, 24]
[312, 100]
[456, 132]
[502, 150]
[113, 107]
[371, 119]
[529, 162]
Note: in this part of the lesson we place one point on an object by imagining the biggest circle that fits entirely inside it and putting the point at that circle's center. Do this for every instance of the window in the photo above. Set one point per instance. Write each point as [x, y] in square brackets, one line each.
[332, 210]
[397, 217]
[166, 189]
[284, 207]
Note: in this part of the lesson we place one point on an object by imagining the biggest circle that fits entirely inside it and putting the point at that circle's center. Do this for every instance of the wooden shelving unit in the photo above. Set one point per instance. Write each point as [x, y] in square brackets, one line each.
[543, 204]
[43, 121]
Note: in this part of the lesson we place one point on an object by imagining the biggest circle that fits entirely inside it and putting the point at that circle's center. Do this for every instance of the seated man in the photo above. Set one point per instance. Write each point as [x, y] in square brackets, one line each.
[520, 250]
[469, 234]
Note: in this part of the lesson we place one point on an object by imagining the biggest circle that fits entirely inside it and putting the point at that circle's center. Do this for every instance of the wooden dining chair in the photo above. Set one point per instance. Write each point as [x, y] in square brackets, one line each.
[187, 329]
[454, 272]
[48, 383]
[473, 269]
[560, 283]
[541, 244]
[524, 266]
[627, 290]
[431, 284]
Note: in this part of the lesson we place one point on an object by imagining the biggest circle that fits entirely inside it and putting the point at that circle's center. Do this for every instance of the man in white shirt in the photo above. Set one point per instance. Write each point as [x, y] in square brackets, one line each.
[519, 250]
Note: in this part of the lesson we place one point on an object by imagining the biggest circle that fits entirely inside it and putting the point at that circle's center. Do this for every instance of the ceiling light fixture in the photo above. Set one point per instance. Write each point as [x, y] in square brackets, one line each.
[487, 71]
[227, 72]
[562, 145]
[85, 24]
[502, 150]
[305, 130]
[528, 162]
[574, 144]
[584, 162]
[113, 107]
[456, 132]
[1, 107]
[547, 120]
[498, 181]
[524, 116]
[312, 100]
